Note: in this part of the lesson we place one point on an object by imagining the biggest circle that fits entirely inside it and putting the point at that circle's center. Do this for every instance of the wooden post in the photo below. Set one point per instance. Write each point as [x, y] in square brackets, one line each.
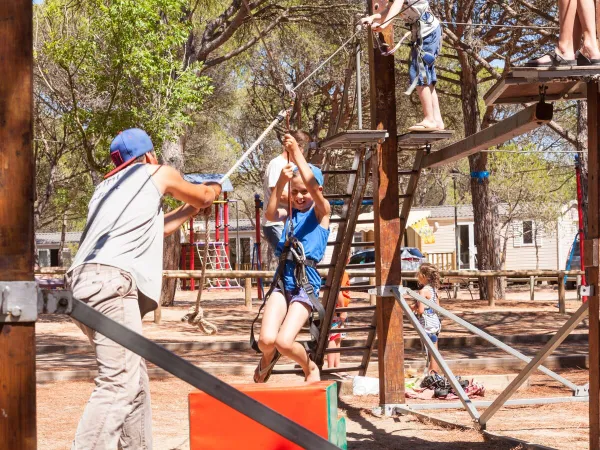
[532, 288]
[577, 286]
[248, 293]
[591, 256]
[372, 297]
[387, 222]
[490, 291]
[561, 293]
[454, 260]
[17, 341]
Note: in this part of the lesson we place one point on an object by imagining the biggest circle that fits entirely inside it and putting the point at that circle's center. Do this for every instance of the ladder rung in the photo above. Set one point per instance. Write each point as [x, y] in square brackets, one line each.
[408, 172]
[332, 370]
[362, 348]
[343, 219]
[343, 196]
[355, 308]
[339, 172]
[351, 329]
[355, 288]
[355, 244]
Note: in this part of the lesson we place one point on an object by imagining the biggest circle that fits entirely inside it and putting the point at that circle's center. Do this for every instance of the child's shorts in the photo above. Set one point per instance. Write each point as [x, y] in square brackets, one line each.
[432, 43]
[337, 323]
[433, 336]
[297, 295]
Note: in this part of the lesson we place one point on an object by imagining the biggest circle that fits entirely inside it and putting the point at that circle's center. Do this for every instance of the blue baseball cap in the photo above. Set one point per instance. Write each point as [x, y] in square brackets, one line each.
[127, 146]
[316, 172]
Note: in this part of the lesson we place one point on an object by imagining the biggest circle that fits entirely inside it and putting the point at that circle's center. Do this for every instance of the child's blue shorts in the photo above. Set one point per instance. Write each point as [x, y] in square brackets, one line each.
[432, 43]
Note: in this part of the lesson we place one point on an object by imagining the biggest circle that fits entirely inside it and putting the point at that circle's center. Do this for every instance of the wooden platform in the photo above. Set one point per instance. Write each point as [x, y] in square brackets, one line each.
[419, 139]
[522, 84]
[353, 139]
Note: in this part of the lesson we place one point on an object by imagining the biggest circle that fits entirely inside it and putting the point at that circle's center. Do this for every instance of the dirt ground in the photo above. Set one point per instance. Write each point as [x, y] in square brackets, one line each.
[561, 426]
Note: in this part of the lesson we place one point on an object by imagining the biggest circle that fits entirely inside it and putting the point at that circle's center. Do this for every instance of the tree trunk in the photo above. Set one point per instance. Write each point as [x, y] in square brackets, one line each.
[172, 155]
[485, 211]
[582, 147]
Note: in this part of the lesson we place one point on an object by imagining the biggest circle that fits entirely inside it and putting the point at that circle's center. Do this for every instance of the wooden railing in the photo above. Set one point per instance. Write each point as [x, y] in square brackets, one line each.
[443, 260]
[450, 276]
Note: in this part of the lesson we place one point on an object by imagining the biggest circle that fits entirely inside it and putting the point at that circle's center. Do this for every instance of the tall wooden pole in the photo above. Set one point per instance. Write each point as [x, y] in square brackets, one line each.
[591, 255]
[387, 222]
[17, 341]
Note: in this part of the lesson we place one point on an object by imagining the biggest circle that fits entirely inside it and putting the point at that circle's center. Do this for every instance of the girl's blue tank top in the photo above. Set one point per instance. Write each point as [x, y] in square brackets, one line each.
[313, 237]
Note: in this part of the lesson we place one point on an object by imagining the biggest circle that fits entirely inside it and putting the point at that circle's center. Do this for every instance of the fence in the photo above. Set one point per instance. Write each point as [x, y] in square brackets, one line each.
[443, 260]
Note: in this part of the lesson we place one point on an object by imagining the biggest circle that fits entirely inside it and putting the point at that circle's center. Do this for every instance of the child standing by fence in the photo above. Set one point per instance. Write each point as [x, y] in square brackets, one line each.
[429, 277]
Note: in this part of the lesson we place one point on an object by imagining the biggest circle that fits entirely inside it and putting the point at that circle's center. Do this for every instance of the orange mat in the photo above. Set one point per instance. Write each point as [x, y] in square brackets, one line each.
[214, 425]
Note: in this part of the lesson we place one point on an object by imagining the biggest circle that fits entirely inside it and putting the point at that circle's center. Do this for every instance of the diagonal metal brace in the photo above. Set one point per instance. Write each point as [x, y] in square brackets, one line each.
[464, 398]
[491, 339]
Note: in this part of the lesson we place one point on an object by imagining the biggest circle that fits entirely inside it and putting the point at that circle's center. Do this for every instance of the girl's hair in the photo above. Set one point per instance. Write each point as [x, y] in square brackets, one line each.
[431, 274]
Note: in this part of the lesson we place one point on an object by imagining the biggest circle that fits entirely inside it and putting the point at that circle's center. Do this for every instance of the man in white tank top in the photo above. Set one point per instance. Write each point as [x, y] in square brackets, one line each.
[118, 271]
[273, 230]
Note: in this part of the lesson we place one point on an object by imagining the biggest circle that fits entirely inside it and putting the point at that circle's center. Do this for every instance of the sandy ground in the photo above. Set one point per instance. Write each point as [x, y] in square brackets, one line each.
[562, 426]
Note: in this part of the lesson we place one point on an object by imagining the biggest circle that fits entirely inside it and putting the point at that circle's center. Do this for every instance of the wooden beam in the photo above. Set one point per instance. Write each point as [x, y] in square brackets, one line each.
[524, 121]
[387, 223]
[17, 341]
[593, 269]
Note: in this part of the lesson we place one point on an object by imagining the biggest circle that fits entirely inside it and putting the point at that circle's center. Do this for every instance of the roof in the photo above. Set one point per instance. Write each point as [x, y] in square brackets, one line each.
[199, 178]
[54, 237]
[447, 211]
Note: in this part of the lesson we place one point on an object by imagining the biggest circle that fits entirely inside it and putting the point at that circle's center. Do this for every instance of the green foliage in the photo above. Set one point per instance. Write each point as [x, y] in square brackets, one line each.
[111, 65]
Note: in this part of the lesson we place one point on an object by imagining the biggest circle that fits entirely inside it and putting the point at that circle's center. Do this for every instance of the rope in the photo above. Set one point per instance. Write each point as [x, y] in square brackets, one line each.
[246, 154]
[195, 315]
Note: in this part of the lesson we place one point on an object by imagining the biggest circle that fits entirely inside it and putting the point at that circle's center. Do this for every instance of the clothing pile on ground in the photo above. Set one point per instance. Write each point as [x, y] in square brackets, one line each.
[435, 385]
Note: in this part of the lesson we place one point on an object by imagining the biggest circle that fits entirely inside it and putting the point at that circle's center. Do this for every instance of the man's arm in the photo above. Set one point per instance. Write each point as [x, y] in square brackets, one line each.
[170, 182]
[177, 217]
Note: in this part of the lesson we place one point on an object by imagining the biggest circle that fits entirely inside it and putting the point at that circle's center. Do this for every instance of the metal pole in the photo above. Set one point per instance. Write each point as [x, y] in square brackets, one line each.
[456, 245]
[552, 344]
[358, 86]
[464, 398]
[192, 254]
[237, 236]
[486, 403]
[17, 340]
[491, 339]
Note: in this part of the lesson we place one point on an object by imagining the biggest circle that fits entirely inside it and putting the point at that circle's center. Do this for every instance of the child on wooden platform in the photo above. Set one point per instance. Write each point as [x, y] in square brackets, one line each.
[426, 45]
[288, 309]
[335, 338]
[429, 278]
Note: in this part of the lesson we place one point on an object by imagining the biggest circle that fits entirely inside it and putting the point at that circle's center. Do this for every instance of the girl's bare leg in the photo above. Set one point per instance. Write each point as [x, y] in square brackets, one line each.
[437, 115]
[333, 359]
[567, 12]
[275, 311]
[432, 364]
[587, 19]
[427, 105]
[297, 316]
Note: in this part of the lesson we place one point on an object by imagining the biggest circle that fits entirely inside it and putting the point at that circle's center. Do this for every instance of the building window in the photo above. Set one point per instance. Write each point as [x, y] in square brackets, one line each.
[528, 232]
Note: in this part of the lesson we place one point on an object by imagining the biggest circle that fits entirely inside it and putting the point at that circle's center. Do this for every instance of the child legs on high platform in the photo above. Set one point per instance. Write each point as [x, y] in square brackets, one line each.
[422, 74]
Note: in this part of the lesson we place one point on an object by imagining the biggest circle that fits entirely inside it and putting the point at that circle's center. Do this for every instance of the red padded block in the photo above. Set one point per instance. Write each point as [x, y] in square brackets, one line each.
[214, 425]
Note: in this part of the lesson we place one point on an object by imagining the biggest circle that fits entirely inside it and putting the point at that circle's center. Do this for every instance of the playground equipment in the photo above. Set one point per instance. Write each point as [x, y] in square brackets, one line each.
[313, 406]
[218, 253]
[19, 300]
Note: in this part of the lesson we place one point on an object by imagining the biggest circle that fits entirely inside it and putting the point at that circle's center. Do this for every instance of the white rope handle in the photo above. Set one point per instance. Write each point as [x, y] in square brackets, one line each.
[247, 153]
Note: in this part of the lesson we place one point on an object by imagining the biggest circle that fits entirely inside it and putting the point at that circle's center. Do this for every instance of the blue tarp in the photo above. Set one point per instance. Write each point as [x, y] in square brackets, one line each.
[199, 178]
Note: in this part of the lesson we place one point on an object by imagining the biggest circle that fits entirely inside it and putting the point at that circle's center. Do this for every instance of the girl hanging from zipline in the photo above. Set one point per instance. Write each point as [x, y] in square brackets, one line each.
[292, 301]
[426, 45]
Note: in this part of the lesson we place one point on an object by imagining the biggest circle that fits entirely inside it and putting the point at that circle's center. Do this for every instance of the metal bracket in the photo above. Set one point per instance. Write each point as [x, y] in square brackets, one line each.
[427, 148]
[542, 89]
[23, 301]
[383, 291]
[388, 410]
[55, 301]
[582, 391]
[18, 301]
[586, 291]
